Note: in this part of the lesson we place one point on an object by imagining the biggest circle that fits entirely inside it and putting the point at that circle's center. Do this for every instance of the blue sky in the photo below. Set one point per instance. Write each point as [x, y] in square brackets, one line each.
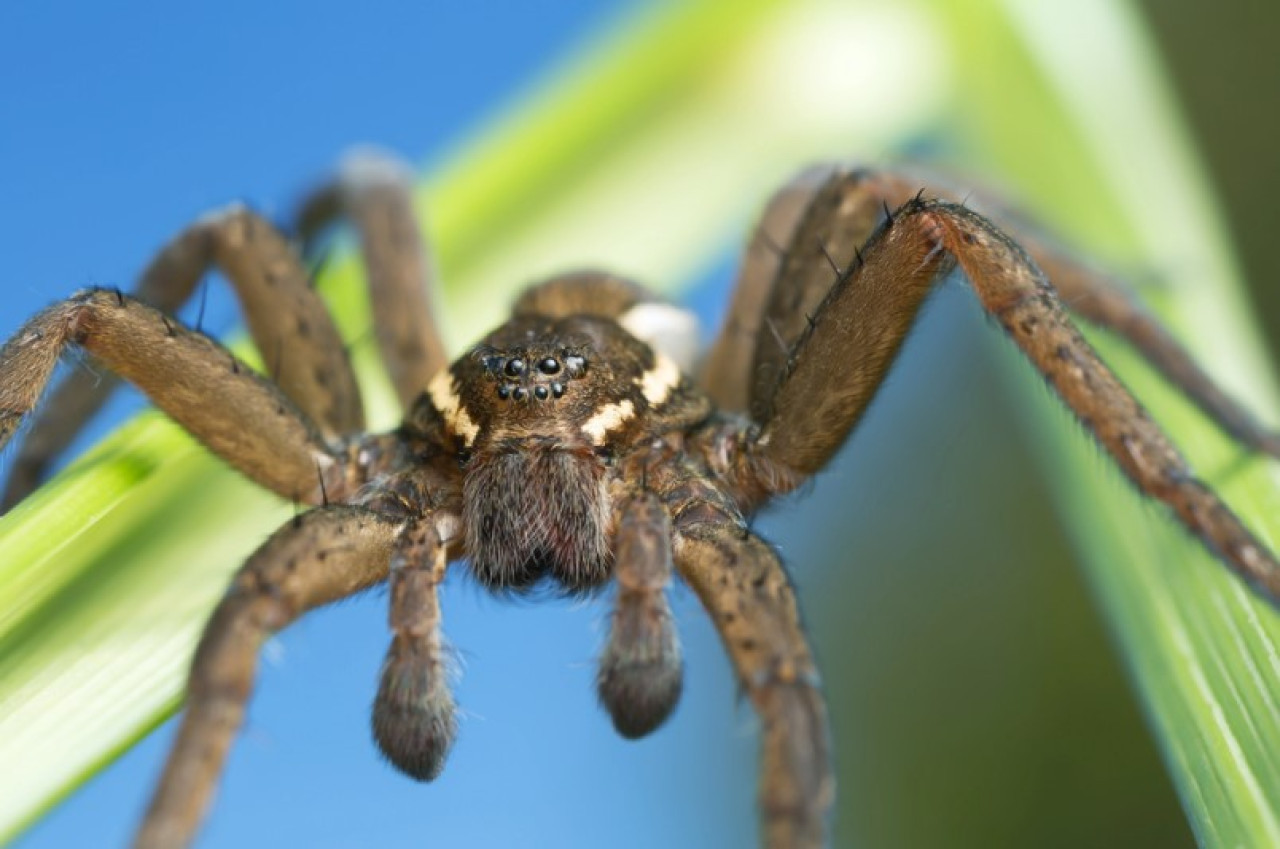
[119, 124]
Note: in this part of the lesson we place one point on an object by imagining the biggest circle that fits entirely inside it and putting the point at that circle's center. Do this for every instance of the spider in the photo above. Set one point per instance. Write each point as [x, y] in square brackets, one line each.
[578, 444]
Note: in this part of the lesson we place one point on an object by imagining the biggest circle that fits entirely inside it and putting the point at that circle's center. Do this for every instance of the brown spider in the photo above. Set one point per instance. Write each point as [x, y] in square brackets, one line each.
[575, 444]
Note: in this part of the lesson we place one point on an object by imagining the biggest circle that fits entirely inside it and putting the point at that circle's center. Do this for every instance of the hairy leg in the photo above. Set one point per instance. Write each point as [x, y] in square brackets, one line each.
[640, 675]
[834, 366]
[747, 593]
[726, 375]
[317, 558]
[771, 308]
[376, 191]
[289, 324]
[240, 416]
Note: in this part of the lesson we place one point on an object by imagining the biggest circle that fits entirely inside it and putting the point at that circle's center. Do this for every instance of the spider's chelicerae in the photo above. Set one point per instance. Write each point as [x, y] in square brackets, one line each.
[577, 444]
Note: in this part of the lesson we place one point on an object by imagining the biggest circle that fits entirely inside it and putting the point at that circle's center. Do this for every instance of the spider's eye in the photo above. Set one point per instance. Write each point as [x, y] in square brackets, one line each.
[549, 365]
[515, 367]
[519, 393]
[557, 389]
[504, 391]
[540, 392]
[575, 364]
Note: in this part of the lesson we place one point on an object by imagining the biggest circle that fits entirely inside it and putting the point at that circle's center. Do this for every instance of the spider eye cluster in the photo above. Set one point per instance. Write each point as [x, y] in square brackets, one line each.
[521, 375]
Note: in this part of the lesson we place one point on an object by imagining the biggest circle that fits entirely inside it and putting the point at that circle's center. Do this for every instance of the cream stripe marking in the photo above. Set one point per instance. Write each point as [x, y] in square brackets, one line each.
[656, 383]
[446, 399]
[609, 417]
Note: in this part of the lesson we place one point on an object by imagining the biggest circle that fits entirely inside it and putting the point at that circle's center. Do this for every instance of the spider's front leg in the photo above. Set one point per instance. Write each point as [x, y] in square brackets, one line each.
[815, 385]
[237, 414]
[318, 557]
[283, 312]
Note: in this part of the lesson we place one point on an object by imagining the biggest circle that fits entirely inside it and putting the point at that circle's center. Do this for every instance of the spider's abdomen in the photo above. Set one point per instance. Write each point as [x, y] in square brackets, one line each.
[537, 512]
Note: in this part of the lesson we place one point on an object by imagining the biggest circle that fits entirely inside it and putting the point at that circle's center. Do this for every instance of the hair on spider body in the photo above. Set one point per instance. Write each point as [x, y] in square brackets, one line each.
[576, 444]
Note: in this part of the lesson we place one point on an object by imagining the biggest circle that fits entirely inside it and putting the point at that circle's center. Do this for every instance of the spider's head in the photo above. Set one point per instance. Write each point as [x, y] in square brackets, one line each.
[580, 383]
[539, 410]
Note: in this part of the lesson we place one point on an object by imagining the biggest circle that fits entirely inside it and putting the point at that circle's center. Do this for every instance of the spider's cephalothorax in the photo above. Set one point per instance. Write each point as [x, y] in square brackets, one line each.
[539, 413]
[577, 444]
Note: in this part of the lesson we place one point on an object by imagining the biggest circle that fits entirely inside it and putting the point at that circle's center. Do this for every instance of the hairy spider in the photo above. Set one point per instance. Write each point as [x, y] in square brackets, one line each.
[577, 444]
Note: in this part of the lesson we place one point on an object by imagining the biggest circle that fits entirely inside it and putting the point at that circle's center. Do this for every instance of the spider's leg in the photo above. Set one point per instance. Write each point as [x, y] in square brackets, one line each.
[640, 675]
[289, 324]
[318, 557]
[414, 721]
[747, 593]
[237, 414]
[769, 309]
[726, 374]
[376, 192]
[1099, 299]
[833, 368]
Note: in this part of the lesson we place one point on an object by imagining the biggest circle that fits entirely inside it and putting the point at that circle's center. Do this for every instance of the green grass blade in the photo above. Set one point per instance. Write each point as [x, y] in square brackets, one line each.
[1203, 651]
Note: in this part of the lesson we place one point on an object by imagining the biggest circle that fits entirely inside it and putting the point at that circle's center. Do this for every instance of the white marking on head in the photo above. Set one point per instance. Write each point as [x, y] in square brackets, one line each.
[656, 383]
[609, 417]
[445, 396]
[667, 329]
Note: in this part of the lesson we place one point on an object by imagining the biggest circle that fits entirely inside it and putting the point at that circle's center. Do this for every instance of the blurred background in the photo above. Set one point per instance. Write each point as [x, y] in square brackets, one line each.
[974, 697]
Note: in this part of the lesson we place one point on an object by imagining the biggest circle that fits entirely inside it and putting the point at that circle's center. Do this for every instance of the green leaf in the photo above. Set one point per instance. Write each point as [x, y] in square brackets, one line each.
[1202, 649]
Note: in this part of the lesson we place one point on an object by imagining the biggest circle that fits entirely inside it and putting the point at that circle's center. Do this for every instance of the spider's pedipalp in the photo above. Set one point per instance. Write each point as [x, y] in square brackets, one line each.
[196, 381]
[319, 557]
[641, 674]
[414, 721]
